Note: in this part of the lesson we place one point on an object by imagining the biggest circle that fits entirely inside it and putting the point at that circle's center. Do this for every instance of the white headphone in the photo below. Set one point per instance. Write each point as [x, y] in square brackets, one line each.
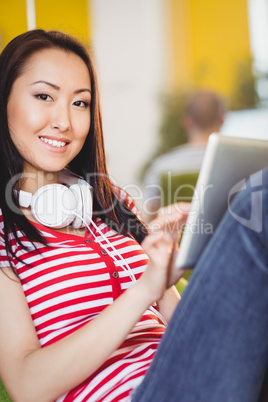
[58, 206]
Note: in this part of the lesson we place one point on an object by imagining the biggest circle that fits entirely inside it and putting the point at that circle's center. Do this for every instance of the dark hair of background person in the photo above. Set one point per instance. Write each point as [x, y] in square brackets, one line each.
[205, 110]
[89, 163]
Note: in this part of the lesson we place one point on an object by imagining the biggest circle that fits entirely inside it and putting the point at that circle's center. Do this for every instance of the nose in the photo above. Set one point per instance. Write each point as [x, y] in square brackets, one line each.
[60, 119]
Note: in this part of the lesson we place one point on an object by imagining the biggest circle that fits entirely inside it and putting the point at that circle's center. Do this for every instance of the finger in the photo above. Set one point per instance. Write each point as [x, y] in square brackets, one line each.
[171, 262]
[151, 239]
[157, 243]
[177, 210]
[174, 216]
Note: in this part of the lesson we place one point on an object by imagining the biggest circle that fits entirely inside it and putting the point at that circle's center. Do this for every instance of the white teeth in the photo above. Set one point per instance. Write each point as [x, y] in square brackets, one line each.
[53, 142]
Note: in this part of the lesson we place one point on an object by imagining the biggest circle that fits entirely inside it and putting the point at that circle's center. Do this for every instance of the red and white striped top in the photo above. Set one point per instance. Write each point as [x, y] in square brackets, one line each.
[70, 281]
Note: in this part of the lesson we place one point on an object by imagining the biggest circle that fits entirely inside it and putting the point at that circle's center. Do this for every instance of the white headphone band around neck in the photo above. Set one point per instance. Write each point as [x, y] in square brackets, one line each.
[57, 206]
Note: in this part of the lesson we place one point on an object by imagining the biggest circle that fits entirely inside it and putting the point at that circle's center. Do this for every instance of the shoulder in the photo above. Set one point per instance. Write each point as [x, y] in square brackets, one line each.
[10, 238]
[183, 151]
[179, 158]
[127, 201]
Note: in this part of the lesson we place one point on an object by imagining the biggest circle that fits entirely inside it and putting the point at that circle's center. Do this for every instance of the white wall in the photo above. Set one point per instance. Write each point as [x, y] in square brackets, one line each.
[258, 28]
[129, 45]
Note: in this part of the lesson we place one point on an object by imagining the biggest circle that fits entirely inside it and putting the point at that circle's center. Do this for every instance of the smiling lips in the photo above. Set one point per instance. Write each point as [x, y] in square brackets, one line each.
[54, 143]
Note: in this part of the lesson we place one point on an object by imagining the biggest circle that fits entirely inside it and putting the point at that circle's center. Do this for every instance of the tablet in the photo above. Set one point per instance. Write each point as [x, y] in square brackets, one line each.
[228, 162]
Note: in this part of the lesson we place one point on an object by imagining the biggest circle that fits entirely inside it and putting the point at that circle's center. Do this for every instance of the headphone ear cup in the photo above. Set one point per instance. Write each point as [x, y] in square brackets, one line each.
[83, 213]
[53, 205]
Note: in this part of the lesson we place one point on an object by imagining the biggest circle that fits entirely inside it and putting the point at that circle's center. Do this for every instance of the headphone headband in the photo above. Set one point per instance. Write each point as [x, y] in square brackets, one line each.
[65, 176]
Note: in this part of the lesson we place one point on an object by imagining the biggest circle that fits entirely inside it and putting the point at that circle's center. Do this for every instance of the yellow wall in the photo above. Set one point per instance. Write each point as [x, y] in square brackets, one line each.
[70, 16]
[209, 40]
[67, 15]
[13, 20]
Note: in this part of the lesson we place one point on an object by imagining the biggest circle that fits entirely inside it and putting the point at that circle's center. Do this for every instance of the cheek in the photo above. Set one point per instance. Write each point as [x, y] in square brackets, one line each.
[15, 124]
[82, 127]
[21, 117]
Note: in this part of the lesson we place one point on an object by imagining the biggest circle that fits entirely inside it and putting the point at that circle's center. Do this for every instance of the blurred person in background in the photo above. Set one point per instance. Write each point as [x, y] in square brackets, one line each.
[204, 114]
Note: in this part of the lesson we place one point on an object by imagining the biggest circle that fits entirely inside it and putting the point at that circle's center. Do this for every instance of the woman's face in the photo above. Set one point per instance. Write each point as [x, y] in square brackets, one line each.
[48, 110]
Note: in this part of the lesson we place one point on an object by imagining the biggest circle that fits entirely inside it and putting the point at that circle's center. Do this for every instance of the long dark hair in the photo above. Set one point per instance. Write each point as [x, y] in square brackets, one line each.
[89, 163]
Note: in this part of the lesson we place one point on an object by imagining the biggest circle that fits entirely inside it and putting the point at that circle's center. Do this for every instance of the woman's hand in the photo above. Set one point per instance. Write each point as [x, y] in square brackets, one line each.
[158, 246]
[161, 245]
[170, 219]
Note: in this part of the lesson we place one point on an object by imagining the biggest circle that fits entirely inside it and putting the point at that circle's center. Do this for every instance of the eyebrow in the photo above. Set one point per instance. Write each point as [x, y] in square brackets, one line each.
[77, 91]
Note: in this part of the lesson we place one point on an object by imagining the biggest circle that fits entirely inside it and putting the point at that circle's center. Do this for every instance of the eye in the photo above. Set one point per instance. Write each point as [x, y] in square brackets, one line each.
[44, 97]
[80, 103]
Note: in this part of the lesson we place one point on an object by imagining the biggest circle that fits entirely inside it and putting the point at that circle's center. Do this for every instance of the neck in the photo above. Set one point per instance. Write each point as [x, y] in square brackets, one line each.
[198, 137]
[32, 181]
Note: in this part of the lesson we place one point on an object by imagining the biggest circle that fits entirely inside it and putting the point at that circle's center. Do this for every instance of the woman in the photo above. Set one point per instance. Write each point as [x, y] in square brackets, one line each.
[51, 119]
[76, 321]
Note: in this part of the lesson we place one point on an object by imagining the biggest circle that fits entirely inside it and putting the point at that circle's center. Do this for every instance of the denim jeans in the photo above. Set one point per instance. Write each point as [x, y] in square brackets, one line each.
[215, 348]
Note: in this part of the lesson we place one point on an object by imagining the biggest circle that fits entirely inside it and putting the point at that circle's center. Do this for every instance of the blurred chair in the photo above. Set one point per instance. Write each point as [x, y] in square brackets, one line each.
[180, 285]
[178, 187]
